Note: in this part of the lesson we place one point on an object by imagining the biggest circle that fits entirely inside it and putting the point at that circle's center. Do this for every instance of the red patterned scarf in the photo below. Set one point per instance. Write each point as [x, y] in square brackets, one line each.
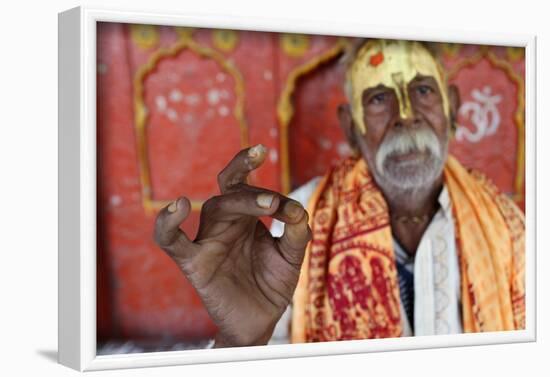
[348, 286]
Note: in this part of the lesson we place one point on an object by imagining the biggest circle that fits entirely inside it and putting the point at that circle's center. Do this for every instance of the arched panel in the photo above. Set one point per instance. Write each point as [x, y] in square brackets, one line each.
[182, 94]
[300, 153]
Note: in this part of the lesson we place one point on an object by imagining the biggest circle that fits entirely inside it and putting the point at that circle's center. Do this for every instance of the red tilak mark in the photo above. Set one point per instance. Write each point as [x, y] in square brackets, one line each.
[376, 59]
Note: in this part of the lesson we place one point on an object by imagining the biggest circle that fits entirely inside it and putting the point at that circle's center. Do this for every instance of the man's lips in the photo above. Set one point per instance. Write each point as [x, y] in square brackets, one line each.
[408, 156]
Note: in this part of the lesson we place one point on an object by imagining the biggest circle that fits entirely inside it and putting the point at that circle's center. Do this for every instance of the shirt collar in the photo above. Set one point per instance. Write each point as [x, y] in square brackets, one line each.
[445, 203]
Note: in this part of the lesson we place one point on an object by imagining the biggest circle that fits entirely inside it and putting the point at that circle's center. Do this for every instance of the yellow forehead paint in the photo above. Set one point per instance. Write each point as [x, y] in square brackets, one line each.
[392, 64]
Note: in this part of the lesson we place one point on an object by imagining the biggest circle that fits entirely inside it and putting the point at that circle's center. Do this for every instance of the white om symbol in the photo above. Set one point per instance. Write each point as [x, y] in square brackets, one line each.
[483, 114]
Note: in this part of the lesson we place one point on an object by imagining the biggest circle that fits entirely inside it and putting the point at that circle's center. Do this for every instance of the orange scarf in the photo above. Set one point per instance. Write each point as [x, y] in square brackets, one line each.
[348, 287]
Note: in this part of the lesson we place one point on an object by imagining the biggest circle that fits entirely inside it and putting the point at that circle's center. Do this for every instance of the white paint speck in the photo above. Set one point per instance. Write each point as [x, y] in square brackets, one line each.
[268, 76]
[161, 103]
[172, 115]
[220, 77]
[273, 155]
[343, 149]
[223, 111]
[213, 96]
[192, 99]
[273, 132]
[176, 95]
[115, 200]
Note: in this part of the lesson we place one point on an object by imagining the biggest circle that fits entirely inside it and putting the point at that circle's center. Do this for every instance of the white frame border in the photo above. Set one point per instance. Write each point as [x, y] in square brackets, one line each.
[77, 189]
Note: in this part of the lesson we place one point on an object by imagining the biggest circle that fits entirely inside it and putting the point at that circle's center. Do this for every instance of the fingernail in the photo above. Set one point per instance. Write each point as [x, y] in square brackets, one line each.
[293, 209]
[256, 151]
[265, 200]
[173, 206]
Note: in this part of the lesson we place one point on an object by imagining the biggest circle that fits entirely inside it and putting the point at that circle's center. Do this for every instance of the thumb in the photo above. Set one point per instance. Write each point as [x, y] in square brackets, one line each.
[294, 240]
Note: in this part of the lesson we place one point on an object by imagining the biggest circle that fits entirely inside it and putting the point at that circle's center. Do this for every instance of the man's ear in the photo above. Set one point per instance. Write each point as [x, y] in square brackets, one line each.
[347, 124]
[454, 102]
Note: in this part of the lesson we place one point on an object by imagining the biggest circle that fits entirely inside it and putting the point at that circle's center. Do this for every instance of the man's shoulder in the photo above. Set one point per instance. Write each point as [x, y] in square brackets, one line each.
[484, 181]
[507, 206]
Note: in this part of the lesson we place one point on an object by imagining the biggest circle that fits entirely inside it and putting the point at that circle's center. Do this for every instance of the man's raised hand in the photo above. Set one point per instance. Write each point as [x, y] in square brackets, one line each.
[244, 276]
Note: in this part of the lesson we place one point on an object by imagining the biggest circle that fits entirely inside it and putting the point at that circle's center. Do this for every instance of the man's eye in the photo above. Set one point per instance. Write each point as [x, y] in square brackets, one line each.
[378, 98]
[424, 89]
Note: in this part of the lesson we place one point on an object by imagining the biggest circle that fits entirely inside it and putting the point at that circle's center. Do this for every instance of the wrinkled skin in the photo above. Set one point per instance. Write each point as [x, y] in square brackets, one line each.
[244, 276]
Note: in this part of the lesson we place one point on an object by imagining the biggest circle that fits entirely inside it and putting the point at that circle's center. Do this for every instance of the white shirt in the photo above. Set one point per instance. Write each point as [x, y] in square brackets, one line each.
[435, 267]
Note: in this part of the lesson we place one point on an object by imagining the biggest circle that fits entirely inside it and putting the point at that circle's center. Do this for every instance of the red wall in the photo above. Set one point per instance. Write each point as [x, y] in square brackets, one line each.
[192, 127]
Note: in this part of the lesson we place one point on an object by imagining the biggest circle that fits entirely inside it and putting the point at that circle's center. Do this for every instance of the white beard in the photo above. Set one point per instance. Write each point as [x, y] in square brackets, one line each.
[410, 178]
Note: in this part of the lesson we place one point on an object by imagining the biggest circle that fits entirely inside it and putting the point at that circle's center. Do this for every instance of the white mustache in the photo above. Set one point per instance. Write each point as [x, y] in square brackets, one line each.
[407, 141]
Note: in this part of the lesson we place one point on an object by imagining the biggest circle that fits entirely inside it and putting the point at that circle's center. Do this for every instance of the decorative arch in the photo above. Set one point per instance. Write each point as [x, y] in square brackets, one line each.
[141, 116]
[285, 107]
[519, 117]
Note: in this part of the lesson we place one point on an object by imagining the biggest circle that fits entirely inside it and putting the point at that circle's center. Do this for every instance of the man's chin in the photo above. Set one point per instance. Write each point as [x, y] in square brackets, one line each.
[410, 174]
[405, 182]
[406, 170]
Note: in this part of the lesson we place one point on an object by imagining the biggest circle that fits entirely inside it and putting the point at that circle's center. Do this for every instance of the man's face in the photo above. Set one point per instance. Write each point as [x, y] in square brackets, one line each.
[405, 153]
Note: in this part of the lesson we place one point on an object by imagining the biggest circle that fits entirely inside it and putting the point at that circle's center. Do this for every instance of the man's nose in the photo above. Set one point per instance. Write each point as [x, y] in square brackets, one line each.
[412, 121]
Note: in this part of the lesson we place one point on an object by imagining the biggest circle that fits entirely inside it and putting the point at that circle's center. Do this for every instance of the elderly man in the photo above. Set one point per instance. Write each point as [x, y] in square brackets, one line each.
[398, 240]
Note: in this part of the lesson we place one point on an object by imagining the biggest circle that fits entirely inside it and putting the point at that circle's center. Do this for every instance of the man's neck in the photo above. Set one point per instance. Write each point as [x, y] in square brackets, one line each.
[411, 213]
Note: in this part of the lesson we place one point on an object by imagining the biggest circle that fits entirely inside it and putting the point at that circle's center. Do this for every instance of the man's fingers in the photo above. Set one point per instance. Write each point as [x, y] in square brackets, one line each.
[253, 201]
[288, 211]
[240, 166]
[292, 243]
[232, 206]
[168, 234]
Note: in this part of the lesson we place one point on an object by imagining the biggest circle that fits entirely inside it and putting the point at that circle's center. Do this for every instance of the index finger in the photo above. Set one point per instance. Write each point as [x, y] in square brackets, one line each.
[240, 166]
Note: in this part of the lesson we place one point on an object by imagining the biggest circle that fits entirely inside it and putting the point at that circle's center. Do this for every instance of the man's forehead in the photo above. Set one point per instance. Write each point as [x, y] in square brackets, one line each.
[380, 56]
[392, 64]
